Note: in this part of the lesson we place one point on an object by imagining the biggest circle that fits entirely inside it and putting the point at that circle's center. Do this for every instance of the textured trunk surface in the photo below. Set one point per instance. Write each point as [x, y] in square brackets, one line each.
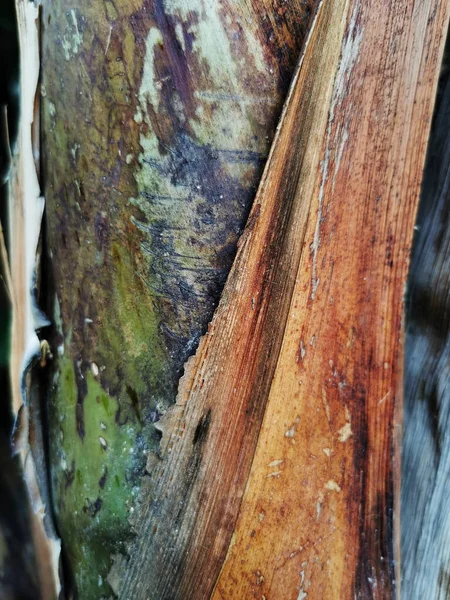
[157, 119]
[426, 442]
[298, 380]
[277, 473]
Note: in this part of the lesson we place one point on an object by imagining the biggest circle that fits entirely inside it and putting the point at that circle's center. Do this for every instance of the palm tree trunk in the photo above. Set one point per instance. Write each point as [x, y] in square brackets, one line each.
[271, 468]
[157, 118]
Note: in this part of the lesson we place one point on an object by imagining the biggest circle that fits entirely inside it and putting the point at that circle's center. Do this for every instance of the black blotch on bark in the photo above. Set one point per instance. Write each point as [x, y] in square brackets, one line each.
[102, 479]
[92, 508]
[202, 428]
[134, 402]
[81, 395]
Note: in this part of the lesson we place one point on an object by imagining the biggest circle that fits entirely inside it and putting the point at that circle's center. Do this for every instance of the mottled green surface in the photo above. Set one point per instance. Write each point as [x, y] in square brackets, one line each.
[98, 476]
[157, 118]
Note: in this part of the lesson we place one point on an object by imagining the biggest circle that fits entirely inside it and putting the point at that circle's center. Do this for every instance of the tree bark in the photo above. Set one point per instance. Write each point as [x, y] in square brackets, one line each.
[157, 118]
[299, 378]
[26, 206]
[277, 474]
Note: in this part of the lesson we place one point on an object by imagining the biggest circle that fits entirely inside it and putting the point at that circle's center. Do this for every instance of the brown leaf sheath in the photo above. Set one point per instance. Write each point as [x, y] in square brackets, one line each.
[323, 522]
[307, 339]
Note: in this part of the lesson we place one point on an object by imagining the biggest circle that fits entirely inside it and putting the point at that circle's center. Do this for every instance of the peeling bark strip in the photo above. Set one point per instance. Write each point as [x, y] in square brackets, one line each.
[426, 449]
[157, 118]
[325, 526]
[25, 213]
[307, 338]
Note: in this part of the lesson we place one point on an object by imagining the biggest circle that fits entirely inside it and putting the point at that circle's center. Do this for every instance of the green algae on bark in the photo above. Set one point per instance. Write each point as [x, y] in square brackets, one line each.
[94, 478]
[157, 118]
